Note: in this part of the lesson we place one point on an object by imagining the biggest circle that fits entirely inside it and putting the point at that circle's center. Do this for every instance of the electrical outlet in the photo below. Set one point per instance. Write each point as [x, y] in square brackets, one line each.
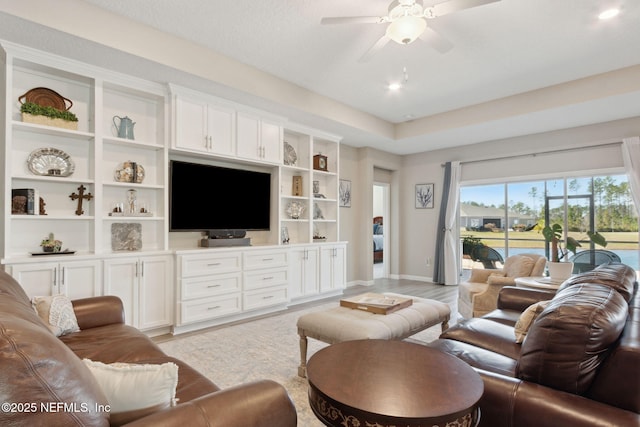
[428, 261]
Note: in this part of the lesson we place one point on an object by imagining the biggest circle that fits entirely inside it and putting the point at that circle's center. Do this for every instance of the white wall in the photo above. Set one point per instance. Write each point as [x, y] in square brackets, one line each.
[414, 229]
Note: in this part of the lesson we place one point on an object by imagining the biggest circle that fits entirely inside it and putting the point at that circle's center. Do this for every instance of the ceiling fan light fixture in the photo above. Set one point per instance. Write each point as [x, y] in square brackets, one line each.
[609, 13]
[406, 29]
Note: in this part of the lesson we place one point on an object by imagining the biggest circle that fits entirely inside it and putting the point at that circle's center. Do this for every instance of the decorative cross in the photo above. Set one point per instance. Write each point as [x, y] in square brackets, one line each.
[80, 196]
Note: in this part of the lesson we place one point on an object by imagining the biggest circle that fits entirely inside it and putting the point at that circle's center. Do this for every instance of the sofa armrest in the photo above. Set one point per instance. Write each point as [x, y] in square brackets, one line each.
[258, 404]
[518, 299]
[480, 275]
[508, 401]
[98, 311]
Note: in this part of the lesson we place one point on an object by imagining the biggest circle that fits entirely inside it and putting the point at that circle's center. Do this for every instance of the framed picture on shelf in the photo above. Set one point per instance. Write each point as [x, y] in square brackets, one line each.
[344, 193]
[424, 196]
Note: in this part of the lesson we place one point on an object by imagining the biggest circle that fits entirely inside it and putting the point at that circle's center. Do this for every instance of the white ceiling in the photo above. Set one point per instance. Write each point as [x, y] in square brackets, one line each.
[491, 85]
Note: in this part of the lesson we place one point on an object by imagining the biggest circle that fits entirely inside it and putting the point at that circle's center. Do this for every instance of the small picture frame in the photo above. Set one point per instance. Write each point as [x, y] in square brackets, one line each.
[344, 193]
[424, 196]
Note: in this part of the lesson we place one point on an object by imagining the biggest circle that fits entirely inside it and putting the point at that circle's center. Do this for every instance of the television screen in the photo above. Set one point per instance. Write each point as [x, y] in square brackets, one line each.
[204, 197]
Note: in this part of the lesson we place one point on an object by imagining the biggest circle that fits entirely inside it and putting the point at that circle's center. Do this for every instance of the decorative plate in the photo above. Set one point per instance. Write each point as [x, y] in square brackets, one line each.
[290, 156]
[129, 172]
[50, 162]
[46, 97]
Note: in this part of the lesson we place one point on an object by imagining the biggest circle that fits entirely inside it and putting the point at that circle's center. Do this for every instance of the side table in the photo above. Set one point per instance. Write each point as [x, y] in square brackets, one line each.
[391, 383]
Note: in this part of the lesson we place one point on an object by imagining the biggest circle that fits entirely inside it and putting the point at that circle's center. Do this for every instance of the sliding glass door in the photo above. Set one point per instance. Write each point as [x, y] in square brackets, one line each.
[506, 217]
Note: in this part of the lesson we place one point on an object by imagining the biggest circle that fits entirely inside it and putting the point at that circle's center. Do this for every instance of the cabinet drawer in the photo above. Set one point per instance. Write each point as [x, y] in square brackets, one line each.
[206, 286]
[209, 308]
[265, 259]
[265, 297]
[260, 279]
[200, 265]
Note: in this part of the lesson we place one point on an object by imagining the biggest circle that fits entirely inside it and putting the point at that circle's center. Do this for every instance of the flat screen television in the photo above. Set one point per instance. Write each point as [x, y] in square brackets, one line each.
[206, 198]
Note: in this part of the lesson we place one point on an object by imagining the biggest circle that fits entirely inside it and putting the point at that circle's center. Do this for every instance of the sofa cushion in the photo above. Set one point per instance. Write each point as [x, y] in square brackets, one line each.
[57, 312]
[571, 337]
[618, 276]
[135, 390]
[527, 318]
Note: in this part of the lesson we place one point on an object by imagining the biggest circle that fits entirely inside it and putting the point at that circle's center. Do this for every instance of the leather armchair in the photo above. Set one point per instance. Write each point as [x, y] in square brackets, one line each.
[479, 295]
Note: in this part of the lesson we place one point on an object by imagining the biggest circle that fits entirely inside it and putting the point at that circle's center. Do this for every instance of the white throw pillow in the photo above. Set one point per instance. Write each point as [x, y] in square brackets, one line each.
[135, 390]
[527, 318]
[57, 312]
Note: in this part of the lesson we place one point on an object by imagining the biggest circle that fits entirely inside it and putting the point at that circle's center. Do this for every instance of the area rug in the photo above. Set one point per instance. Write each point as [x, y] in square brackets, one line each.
[266, 348]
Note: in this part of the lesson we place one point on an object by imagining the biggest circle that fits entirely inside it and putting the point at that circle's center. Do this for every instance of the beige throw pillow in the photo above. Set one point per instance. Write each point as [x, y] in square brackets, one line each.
[527, 318]
[135, 390]
[57, 312]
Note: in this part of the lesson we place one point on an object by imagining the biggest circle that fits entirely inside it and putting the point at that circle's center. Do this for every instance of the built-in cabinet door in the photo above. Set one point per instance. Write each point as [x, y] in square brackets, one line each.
[204, 127]
[156, 292]
[80, 279]
[258, 139]
[37, 279]
[143, 285]
[304, 271]
[121, 280]
[191, 130]
[248, 137]
[271, 141]
[220, 130]
[332, 268]
[76, 279]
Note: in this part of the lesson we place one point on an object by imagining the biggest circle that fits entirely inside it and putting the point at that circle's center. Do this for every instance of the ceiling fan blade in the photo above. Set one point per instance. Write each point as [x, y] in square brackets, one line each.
[436, 41]
[455, 5]
[354, 20]
[382, 42]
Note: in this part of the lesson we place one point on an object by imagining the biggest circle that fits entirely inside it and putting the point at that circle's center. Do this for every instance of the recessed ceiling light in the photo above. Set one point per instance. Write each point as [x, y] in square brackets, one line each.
[609, 13]
[394, 86]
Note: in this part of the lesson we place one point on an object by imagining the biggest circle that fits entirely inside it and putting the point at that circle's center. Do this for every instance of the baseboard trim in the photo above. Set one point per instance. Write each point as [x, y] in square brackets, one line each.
[417, 278]
[360, 283]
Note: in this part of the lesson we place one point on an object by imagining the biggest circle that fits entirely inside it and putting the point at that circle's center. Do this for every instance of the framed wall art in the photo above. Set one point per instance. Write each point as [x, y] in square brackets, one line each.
[344, 195]
[424, 196]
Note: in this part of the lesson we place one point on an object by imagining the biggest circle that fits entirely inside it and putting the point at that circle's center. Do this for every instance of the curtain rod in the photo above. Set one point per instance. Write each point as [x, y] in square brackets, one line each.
[561, 150]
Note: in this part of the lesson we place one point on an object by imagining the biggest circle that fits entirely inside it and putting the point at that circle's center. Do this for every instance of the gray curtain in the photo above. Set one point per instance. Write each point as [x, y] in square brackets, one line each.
[446, 262]
[438, 262]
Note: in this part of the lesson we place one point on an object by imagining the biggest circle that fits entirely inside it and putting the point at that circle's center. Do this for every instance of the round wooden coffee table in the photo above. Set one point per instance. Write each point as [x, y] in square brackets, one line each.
[389, 383]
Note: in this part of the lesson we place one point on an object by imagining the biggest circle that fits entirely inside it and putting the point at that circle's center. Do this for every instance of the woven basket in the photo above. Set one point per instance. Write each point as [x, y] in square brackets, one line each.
[48, 121]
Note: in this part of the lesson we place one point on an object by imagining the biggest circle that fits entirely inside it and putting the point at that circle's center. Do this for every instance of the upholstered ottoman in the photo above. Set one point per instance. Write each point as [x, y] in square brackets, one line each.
[340, 324]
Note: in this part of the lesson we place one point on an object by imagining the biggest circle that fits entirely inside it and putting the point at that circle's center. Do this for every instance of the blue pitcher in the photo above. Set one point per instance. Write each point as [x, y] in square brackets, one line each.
[125, 127]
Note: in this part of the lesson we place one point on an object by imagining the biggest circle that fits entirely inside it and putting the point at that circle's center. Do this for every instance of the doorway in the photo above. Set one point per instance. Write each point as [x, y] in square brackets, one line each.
[381, 227]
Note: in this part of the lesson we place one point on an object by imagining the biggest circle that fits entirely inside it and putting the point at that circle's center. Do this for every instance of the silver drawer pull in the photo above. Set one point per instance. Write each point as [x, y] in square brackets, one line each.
[267, 259]
[267, 278]
[213, 264]
[268, 297]
[213, 286]
[213, 308]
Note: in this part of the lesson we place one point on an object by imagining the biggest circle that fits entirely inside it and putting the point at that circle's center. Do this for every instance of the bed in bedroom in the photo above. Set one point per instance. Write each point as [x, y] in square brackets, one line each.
[378, 244]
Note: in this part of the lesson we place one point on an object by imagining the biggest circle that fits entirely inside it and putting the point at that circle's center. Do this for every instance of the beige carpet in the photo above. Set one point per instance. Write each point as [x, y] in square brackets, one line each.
[266, 348]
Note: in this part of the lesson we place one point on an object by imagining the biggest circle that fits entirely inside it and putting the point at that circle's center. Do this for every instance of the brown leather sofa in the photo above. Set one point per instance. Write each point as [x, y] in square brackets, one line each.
[36, 366]
[579, 363]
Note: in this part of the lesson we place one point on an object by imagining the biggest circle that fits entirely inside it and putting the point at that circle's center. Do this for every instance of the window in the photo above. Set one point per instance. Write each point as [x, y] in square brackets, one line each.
[504, 216]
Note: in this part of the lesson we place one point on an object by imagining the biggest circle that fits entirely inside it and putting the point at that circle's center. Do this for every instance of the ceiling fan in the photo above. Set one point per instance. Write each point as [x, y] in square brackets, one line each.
[407, 21]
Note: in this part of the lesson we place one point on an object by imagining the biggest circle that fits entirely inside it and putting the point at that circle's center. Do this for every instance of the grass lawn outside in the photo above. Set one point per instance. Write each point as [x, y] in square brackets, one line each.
[534, 239]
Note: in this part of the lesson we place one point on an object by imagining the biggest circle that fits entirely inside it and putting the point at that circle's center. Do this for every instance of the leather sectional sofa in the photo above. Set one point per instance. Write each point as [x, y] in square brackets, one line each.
[38, 367]
[579, 363]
